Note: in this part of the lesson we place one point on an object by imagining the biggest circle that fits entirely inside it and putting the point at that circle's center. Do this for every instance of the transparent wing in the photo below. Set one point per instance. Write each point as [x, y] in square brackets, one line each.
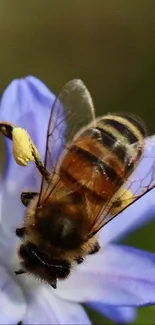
[72, 110]
[141, 181]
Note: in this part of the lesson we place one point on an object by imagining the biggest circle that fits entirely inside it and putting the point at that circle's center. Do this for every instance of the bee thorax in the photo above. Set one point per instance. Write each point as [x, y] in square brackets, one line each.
[62, 225]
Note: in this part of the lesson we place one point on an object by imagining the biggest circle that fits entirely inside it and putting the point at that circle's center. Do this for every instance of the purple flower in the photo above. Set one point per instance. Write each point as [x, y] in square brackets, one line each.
[114, 281]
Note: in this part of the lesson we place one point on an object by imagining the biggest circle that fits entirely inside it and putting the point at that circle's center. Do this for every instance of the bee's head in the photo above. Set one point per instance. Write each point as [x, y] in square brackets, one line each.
[37, 263]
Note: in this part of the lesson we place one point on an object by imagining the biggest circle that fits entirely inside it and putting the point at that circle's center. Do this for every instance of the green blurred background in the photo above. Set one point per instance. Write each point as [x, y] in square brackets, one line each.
[109, 44]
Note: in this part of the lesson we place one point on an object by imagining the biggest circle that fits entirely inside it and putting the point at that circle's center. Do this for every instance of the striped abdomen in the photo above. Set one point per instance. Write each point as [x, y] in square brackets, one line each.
[101, 159]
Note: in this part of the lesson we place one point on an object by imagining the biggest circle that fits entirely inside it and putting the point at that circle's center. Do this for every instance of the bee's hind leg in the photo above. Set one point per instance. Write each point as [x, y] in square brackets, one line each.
[95, 249]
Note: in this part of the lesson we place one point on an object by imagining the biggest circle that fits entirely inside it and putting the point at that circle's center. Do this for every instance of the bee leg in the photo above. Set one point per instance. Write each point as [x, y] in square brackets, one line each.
[54, 284]
[19, 272]
[20, 232]
[79, 260]
[43, 171]
[95, 249]
[26, 197]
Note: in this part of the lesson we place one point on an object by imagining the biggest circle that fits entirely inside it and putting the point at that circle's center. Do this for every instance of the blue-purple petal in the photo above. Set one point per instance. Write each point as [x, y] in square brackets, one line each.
[120, 315]
[116, 275]
[27, 103]
[44, 307]
[12, 300]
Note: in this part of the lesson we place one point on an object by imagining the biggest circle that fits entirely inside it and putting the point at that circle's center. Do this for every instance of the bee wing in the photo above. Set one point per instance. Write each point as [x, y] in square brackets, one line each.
[141, 181]
[72, 110]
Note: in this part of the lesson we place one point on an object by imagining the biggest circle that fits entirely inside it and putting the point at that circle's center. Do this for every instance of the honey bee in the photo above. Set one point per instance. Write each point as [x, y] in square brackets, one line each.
[86, 186]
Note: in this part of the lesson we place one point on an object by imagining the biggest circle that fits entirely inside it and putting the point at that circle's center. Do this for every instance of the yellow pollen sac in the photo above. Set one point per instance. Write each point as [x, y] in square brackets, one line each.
[121, 200]
[24, 149]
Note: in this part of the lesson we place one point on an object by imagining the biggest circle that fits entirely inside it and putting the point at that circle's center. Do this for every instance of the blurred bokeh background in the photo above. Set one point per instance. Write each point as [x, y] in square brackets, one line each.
[109, 44]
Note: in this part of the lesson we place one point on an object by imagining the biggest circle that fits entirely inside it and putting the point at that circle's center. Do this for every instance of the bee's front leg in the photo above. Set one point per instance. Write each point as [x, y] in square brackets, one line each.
[20, 232]
[26, 197]
[54, 284]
